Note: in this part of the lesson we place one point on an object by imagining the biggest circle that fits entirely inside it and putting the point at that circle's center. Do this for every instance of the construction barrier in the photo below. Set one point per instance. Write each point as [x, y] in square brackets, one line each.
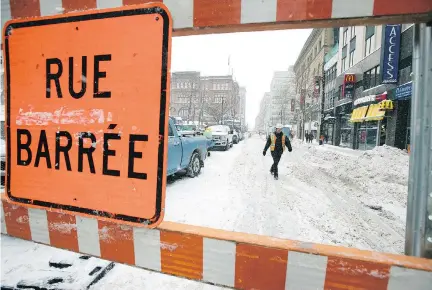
[213, 256]
[220, 257]
[210, 16]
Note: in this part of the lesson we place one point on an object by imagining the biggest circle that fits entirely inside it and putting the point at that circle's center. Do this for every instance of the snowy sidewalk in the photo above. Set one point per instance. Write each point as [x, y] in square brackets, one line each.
[323, 195]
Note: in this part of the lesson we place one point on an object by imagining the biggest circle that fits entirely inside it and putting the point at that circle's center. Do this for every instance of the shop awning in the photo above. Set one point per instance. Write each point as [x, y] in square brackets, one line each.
[358, 114]
[374, 113]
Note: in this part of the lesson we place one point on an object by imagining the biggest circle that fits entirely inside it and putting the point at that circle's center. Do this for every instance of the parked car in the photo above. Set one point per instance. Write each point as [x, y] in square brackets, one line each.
[209, 136]
[222, 136]
[239, 133]
[236, 137]
[286, 130]
[185, 153]
[188, 130]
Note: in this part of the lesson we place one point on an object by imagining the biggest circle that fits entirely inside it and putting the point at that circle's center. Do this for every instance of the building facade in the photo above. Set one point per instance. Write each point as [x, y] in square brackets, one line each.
[206, 99]
[359, 64]
[282, 92]
[263, 119]
[220, 99]
[373, 64]
[308, 70]
[242, 115]
[330, 93]
[186, 98]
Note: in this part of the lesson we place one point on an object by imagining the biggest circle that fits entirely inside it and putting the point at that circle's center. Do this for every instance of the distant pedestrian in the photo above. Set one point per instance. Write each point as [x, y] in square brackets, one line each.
[277, 142]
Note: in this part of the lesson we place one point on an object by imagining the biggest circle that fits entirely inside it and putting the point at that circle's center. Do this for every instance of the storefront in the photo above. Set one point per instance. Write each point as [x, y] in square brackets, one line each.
[343, 129]
[370, 122]
[328, 128]
[400, 124]
[312, 127]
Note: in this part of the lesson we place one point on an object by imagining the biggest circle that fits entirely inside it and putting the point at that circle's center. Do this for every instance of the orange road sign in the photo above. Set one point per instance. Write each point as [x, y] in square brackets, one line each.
[87, 119]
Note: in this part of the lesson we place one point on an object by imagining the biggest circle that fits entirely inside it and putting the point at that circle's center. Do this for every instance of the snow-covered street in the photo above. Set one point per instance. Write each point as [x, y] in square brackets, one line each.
[324, 194]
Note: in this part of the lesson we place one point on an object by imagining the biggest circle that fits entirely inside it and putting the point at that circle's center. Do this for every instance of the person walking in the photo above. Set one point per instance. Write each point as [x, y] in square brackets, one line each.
[277, 142]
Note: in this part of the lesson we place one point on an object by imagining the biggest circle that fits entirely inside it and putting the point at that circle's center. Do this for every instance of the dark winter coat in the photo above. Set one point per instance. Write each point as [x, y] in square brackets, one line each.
[278, 144]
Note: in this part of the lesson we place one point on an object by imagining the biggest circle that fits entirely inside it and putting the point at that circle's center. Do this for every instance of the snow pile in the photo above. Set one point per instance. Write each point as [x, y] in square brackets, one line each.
[373, 183]
[45, 267]
[381, 173]
[296, 141]
[25, 264]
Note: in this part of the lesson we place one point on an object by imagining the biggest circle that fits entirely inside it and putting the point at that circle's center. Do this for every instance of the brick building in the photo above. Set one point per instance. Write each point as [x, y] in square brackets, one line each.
[206, 99]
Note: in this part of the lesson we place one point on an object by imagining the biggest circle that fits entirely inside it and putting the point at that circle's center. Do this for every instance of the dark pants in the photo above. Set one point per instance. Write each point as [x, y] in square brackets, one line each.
[276, 158]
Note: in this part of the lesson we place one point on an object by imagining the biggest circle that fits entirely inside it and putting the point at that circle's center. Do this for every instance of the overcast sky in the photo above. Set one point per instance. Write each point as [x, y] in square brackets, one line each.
[254, 57]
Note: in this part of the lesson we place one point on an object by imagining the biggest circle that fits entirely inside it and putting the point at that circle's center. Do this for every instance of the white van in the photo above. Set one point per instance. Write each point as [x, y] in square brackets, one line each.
[222, 136]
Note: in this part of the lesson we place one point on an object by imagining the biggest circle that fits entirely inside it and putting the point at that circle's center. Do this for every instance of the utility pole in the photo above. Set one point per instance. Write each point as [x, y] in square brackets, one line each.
[222, 112]
[418, 236]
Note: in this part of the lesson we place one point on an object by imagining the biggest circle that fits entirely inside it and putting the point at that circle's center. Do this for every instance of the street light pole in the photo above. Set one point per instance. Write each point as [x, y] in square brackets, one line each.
[222, 112]
[418, 236]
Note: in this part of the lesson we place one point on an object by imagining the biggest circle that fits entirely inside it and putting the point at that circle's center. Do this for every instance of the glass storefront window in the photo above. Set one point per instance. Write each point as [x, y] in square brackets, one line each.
[367, 135]
[328, 132]
[371, 138]
[346, 139]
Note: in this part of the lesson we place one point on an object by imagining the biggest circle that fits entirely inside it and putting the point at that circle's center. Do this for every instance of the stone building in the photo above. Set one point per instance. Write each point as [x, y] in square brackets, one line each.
[206, 99]
[308, 69]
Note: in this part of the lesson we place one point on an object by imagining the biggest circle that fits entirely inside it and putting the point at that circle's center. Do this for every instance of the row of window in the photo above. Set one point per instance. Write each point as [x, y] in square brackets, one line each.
[331, 74]
[369, 45]
[185, 85]
[189, 85]
[371, 78]
[183, 99]
[330, 98]
[218, 86]
[314, 53]
[219, 98]
[345, 34]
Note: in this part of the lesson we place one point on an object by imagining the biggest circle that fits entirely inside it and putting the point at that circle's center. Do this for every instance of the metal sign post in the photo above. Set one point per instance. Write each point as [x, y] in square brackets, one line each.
[418, 241]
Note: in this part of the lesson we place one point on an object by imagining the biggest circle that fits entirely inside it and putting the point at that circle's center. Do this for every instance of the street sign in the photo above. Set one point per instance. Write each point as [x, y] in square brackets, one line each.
[87, 117]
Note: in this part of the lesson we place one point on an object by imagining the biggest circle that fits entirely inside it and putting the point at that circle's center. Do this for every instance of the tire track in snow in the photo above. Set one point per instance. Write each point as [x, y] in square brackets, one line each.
[268, 208]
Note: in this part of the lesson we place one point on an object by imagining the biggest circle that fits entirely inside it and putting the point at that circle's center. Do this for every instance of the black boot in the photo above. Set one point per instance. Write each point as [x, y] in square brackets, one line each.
[276, 177]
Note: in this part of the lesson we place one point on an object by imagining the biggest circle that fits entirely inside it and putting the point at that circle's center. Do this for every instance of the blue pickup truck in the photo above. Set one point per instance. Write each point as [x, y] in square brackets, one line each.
[185, 153]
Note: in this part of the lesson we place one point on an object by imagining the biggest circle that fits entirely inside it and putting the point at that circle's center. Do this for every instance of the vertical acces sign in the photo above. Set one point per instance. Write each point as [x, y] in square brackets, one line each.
[391, 47]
